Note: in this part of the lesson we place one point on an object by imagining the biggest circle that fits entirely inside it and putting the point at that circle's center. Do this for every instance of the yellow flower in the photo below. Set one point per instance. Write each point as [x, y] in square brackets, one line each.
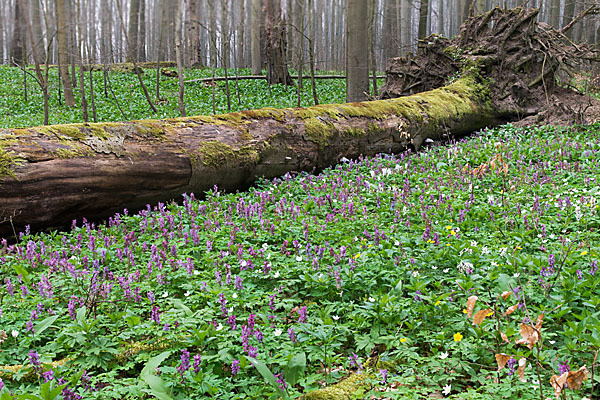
[490, 314]
[458, 337]
[437, 302]
[403, 340]
[583, 253]
[449, 227]
[519, 248]
[357, 255]
[453, 233]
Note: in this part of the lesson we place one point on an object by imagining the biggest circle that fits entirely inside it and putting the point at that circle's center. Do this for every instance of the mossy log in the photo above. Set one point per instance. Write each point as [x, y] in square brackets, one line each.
[52, 175]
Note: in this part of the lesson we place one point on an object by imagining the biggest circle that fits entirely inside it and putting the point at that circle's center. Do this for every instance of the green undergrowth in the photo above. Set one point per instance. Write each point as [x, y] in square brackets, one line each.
[16, 112]
[466, 271]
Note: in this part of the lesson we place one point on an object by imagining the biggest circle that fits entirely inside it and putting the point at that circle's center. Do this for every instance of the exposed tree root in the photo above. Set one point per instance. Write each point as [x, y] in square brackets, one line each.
[526, 62]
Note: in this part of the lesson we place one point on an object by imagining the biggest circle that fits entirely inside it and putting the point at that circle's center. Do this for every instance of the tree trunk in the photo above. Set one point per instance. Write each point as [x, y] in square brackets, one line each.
[192, 38]
[357, 45]
[423, 14]
[277, 70]
[52, 175]
[38, 42]
[61, 36]
[132, 34]
[255, 48]
[17, 46]
[141, 53]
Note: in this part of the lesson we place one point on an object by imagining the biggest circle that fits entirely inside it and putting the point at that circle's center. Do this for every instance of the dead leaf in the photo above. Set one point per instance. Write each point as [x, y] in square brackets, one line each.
[504, 337]
[511, 309]
[470, 305]
[529, 336]
[521, 369]
[538, 322]
[505, 295]
[480, 316]
[558, 383]
[502, 359]
[575, 378]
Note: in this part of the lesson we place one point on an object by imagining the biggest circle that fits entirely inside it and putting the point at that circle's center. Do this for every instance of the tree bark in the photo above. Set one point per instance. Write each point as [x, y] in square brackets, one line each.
[52, 175]
[133, 28]
[275, 44]
[423, 14]
[62, 52]
[255, 48]
[357, 45]
[192, 38]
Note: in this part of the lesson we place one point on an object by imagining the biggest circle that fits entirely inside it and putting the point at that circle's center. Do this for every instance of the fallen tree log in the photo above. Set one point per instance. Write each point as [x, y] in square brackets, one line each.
[503, 66]
[54, 174]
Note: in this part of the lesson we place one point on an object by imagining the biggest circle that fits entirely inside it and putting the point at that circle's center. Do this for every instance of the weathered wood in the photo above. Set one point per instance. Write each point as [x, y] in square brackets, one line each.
[52, 175]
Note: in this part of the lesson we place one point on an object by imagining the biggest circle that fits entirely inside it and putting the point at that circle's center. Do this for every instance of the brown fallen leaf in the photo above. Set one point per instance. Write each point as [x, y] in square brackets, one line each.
[558, 383]
[529, 336]
[504, 337]
[521, 369]
[538, 322]
[502, 359]
[575, 378]
[511, 309]
[480, 316]
[505, 295]
[470, 305]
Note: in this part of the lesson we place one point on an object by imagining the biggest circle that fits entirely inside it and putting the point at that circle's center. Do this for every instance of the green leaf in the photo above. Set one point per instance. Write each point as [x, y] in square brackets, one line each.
[268, 376]
[154, 362]
[295, 368]
[20, 270]
[45, 324]
[178, 304]
[158, 387]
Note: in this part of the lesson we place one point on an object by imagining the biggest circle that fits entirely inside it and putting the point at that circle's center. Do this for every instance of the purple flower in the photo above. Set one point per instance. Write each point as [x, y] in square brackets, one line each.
[235, 367]
[1, 385]
[562, 368]
[292, 335]
[511, 364]
[280, 381]
[384, 375]
[302, 318]
[354, 361]
[197, 362]
[48, 375]
[71, 307]
[185, 362]
[155, 316]
[238, 283]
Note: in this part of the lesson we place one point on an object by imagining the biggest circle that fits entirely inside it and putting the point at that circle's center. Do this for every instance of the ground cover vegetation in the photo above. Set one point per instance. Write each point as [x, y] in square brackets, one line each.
[16, 112]
[467, 271]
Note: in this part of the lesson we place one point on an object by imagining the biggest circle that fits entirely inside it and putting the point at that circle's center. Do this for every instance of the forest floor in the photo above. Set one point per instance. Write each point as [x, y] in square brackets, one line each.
[16, 112]
[463, 271]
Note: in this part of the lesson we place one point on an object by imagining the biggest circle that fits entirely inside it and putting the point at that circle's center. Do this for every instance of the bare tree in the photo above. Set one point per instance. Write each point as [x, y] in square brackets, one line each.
[255, 37]
[132, 35]
[357, 45]
[63, 61]
[275, 43]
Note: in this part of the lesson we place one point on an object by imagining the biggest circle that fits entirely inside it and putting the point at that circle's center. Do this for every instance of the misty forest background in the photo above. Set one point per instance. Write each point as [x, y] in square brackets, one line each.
[230, 33]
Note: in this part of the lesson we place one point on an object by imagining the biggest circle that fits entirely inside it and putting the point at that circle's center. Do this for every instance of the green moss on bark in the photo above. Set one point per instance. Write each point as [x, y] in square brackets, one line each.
[319, 131]
[347, 389]
[217, 154]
